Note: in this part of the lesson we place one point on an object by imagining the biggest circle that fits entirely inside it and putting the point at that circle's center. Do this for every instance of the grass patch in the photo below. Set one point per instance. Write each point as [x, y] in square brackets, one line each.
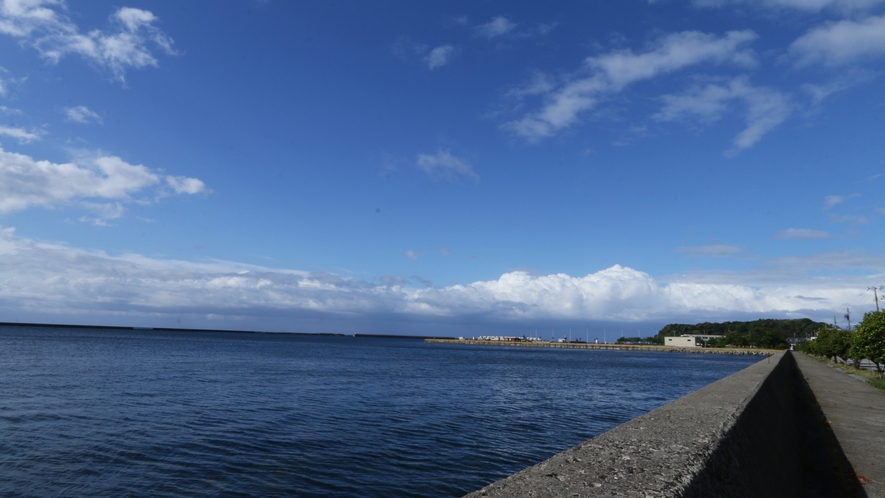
[872, 378]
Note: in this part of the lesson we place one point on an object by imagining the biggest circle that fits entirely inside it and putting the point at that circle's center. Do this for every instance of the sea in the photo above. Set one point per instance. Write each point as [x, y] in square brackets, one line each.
[114, 413]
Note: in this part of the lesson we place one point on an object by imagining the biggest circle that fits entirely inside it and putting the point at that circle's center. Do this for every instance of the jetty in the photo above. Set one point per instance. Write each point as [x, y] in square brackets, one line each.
[606, 346]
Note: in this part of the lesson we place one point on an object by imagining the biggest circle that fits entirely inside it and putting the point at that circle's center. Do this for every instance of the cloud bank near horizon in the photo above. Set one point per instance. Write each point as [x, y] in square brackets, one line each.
[46, 278]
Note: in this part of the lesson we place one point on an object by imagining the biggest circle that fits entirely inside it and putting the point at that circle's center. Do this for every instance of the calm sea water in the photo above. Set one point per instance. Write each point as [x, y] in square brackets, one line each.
[148, 413]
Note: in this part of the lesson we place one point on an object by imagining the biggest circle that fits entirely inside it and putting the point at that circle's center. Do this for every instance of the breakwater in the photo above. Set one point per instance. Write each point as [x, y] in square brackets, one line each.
[758, 432]
[606, 346]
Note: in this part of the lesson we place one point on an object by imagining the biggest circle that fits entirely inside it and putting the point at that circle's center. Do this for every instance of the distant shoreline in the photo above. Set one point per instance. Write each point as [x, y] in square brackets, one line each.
[607, 346]
[226, 331]
[157, 329]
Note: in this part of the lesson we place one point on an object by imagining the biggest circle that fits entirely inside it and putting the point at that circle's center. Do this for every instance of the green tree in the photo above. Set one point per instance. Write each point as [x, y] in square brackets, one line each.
[869, 339]
[809, 347]
[833, 342]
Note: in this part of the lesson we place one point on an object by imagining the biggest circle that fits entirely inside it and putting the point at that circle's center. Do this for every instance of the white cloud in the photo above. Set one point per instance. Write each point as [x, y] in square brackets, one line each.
[20, 134]
[184, 185]
[26, 182]
[498, 26]
[37, 276]
[832, 200]
[844, 81]
[612, 72]
[412, 254]
[445, 166]
[803, 234]
[40, 24]
[540, 84]
[843, 42]
[714, 251]
[806, 5]
[766, 108]
[848, 261]
[5, 82]
[82, 114]
[102, 212]
[439, 56]
[434, 58]
[854, 219]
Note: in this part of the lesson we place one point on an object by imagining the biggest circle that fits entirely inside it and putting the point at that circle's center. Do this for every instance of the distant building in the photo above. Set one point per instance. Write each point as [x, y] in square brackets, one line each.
[680, 342]
[689, 340]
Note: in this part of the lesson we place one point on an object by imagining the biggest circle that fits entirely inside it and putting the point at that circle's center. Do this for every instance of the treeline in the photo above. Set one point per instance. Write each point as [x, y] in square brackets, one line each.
[639, 340]
[866, 342]
[765, 333]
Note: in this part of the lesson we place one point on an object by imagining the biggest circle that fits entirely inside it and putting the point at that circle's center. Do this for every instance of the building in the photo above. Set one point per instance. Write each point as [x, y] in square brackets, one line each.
[680, 342]
[689, 340]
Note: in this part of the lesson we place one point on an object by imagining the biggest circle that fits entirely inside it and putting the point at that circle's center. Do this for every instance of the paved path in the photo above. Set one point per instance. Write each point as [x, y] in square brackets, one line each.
[856, 411]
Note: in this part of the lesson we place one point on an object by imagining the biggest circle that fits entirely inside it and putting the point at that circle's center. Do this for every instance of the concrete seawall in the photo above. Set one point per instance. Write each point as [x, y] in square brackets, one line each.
[758, 432]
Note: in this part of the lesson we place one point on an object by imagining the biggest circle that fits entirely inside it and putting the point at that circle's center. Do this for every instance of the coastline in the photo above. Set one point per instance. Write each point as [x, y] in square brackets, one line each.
[608, 346]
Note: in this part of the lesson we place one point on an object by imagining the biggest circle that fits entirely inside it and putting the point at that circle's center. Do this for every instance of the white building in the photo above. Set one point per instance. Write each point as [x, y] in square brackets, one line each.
[689, 340]
[681, 342]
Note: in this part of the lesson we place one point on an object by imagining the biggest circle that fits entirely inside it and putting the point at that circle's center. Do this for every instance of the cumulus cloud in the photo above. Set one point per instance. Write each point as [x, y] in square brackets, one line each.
[39, 276]
[498, 26]
[765, 108]
[840, 43]
[444, 165]
[612, 72]
[439, 56]
[803, 234]
[82, 114]
[129, 43]
[26, 182]
[412, 254]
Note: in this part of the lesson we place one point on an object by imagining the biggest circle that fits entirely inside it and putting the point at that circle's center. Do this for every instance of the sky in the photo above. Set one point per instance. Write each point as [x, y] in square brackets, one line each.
[440, 168]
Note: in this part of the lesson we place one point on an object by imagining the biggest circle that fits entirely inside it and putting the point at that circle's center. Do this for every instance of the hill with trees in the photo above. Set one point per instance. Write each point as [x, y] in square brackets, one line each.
[764, 333]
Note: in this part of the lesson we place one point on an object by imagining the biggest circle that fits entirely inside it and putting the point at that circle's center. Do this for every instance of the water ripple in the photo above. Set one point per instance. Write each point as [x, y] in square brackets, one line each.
[138, 413]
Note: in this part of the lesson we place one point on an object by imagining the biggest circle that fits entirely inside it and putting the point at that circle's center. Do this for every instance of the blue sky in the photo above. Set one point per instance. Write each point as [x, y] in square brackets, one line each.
[455, 167]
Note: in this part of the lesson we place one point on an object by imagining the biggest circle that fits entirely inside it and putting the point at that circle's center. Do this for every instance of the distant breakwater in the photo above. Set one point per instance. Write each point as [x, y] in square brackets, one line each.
[615, 347]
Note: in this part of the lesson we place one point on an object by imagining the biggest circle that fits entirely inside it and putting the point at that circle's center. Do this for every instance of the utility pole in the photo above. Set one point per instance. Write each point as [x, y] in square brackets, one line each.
[848, 317]
[875, 296]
